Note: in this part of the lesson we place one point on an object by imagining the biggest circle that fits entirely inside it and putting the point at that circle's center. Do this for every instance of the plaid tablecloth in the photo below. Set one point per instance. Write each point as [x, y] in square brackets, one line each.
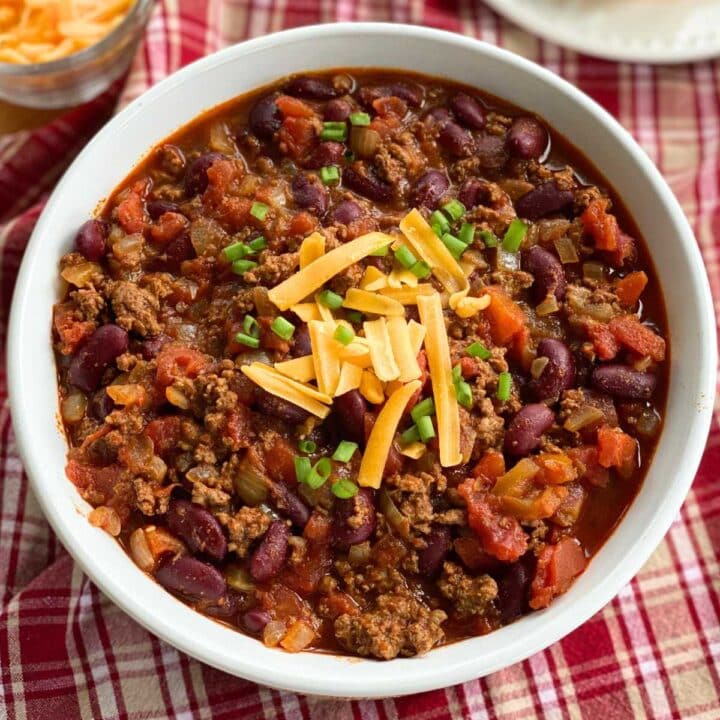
[67, 652]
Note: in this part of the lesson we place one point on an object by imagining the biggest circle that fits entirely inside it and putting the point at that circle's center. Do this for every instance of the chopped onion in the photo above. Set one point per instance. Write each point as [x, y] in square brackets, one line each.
[538, 366]
[582, 417]
[177, 398]
[221, 139]
[548, 306]
[206, 236]
[73, 408]
[593, 270]
[128, 246]
[648, 423]
[298, 637]
[273, 633]
[140, 551]
[364, 141]
[253, 356]
[138, 452]
[202, 473]
[566, 250]
[505, 260]
[359, 554]
[250, 483]
[262, 302]
[643, 363]
[156, 469]
[106, 519]
[397, 521]
[238, 578]
[81, 275]
[130, 394]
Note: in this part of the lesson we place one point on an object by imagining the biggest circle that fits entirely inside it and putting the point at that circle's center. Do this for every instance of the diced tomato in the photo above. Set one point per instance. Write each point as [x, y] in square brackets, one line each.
[639, 338]
[630, 288]
[131, 210]
[162, 542]
[600, 225]
[555, 469]
[302, 223]
[490, 466]
[389, 551]
[603, 340]
[164, 433]
[470, 551]
[569, 511]
[383, 126]
[305, 576]
[293, 107]
[71, 332]
[470, 367]
[283, 603]
[415, 397]
[168, 226]
[507, 320]
[617, 449]
[102, 485]
[588, 466]
[279, 461]
[557, 566]
[268, 338]
[340, 603]
[390, 105]
[238, 425]
[625, 250]
[176, 361]
[296, 136]
[500, 534]
[361, 226]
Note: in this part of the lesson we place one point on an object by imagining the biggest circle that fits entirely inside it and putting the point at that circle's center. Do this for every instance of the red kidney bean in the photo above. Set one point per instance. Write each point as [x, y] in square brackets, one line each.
[279, 408]
[513, 586]
[311, 88]
[310, 194]
[269, 556]
[229, 605]
[526, 429]
[624, 382]
[350, 409]
[151, 346]
[412, 94]
[180, 249]
[543, 200]
[559, 373]
[394, 462]
[326, 153]
[196, 179]
[367, 185]
[189, 576]
[90, 241]
[255, 620]
[456, 140]
[432, 556]
[156, 208]
[96, 355]
[337, 110]
[346, 211]
[429, 189]
[438, 116]
[362, 507]
[527, 138]
[468, 111]
[100, 405]
[199, 528]
[289, 504]
[490, 151]
[265, 118]
[471, 193]
[547, 271]
[301, 344]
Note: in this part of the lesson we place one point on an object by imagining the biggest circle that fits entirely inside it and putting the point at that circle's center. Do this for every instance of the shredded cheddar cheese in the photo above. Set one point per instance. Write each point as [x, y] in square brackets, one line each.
[414, 450]
[417, 336]
[371, 388]
[381, 350]
[350, 378]
[407, 295]
[301, 369]
[402, 349]
[306, 311]
[400, 277]
[466, 307]
[373, 303]
[373, 279]
[325, 356]
[313, 247]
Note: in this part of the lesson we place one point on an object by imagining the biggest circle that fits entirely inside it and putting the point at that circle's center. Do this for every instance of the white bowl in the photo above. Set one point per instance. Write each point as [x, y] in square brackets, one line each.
[175, 101]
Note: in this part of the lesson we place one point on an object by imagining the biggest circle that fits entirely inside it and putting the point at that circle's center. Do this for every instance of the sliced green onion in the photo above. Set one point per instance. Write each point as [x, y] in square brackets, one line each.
[438, 220]
[380, 252]
[236, 251]
[515, 235]
[344, 335]
[454, 209]
[259, 243]
[244, 339]
[359, 119]
[334, 131]
[411, 435]
[504, 386]
[344, 489]
[421, 269]
[242, 266]
[489, 238]
[464, 394]
[478, 350]
[282, 328]
[467, 233]
[251, 327]
[307, 446]
[454, 245]
[319, 473]
[425, 428]
[405, 257]
[302, 468]
[457, 373]
[330, 299]
[329, 174]
[259, 210]
[423, 408]
[354, 316]
[345, 450]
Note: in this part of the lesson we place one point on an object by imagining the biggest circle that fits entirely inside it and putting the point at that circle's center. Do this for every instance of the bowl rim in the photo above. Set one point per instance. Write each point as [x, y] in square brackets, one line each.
[414, 676]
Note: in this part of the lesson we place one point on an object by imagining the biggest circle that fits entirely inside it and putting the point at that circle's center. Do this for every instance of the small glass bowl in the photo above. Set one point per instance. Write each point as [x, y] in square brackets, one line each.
[81, 76]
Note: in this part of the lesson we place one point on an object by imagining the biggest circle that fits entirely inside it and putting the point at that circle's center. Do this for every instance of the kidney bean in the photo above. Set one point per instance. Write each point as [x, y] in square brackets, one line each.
[543, 200]
[469, 111]
[196, 179]
[326, 153]
[429, 189]
[301, 345]
[180, 249]
[624, 382]
[255, 620]
[350, 410]
[456, 140]
[547, 271]
[367, 185]
[189, 576]
[471, 193]
[410, 93]
[438, 116]
[513, 586]
[265, 118]
[309, 193]
[527, 138]
[525, 430]
[337, 110]
[91, 239]
[311, 88]
[151, 346]
[279, 408]
[559, 373]
[199, 528]
[346, 211]
[156, 208]
[225, 607]
[361, 506]
[432, 556]
[394, 462]
[490, 151]
[289, 504]
[96, 355]
[100, 405]
[269, 556]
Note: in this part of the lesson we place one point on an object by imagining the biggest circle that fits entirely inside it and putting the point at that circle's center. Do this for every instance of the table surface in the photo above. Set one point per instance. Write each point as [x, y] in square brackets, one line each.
[14, 117]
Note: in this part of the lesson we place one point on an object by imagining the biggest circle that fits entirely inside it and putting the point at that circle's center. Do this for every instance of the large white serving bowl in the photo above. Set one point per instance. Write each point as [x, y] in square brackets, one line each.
[177, 100]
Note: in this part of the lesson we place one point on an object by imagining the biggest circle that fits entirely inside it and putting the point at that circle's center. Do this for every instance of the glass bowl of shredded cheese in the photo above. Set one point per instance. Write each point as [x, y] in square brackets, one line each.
[58, 53]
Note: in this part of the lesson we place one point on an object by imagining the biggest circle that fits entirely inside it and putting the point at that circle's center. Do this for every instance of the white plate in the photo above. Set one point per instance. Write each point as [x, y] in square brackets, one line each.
[654, 31]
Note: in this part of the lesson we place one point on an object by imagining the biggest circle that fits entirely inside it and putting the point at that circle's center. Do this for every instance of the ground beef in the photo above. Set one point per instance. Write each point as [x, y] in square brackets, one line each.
[135, 308]
[512, 281]
[210, 497]
[348, 278]
[89, 302]
[470, 595]
[150, 498]
[488, 425]
[395, 625]
[244, 527]
[273, 269]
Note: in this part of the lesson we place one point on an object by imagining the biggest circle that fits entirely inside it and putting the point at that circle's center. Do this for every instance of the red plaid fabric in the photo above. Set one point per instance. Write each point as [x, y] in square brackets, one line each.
[654, 652]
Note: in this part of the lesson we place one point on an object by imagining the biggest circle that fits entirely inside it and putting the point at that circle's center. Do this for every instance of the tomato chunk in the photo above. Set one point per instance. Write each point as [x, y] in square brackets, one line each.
[617, 449]
[176, 361]
[557, 566]
[507, 320]
[630, 288]
[639, 338]
[600, 225]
